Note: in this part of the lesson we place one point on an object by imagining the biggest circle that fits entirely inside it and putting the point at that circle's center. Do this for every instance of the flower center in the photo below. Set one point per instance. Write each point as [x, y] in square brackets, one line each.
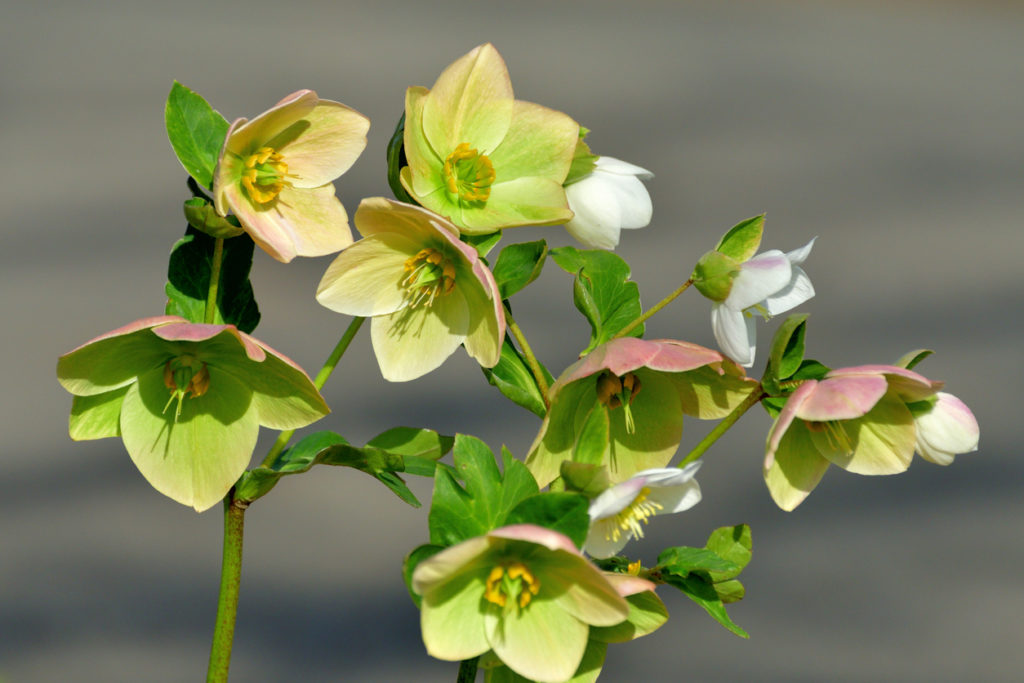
[630, 517]
[468, 174]
[511, 580]
[428, 275]
[616, 392]
[185, 376]
[264, 175]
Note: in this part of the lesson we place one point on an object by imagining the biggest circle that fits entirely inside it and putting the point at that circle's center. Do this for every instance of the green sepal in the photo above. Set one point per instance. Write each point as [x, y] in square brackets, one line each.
[563, 512]
[196, 132]
[188, 280]
[396, 160]
[518, 265]
[590, 480]
[911, 359]
[698, 587]
[731, 543]
[411, 561]
[97, 416]
[201, 215]
[583, 160]
[482, 502]
[513, 378]
[713, 275]
[593, 436]
[483, 243]
[742, 240]
[787, 350]
[603, 292]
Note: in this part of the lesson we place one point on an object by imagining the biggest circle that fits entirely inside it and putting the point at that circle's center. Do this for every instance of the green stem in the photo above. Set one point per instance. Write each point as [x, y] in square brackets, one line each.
[531, 360]
[722, 427]
[467, 670]
[227, 601]
[321, 379]
[653, 309]
[211, 297]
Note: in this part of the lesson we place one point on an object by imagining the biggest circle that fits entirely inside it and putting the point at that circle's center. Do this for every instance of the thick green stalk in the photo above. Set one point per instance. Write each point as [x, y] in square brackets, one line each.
[531, 360]
[722, 427]
[653, 309]
[211, 296]
[467, 670]
[227, 601]
[321, 379]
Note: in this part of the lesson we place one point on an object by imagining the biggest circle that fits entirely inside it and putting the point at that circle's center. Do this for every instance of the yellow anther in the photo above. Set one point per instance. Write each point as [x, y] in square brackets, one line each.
[512, 579]
[185, 376]
[429, 275]
[633, 568]
[630, 517]
[468, 174]
[264, 175]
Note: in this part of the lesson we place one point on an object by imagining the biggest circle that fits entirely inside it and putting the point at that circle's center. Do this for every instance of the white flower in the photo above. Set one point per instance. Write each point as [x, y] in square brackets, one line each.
[945, 430]
[616, 514]
[608, 199]
[768, 284]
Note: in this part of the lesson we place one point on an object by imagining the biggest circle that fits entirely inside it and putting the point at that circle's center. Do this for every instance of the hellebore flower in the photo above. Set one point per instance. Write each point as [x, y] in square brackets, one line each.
[524, 592]
[186, 399]
[616, 514]
[768, 284]
[275, 174]
[608, 199]
[622, 405]
[426, 290]
[481, 158]
[863, 420]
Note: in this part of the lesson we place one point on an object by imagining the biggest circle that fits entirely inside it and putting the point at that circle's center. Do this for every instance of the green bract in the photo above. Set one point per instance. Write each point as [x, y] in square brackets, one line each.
[275, 174]
[186, 399]
[481, 158]
[427, 291]
[524, 592]
[622, 405]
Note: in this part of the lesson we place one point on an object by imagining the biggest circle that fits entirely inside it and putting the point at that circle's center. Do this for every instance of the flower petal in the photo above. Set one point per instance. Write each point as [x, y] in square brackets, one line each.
[196, 458]
[97, 416]
[471, 102]
[785, 419]
[735, 333]
[450, 562]
[245, 137]
[597, 213]
[796, 469]
[797, 292]
[543, 642]
[557, 436]
[323, 144]
[759, 278]
[412, 342]
[540, 143]
[842, 398]
[947, 430]
[365, 279]
[659, 428]
[425, 165]
[451, 619]
[881, 442]
[520, 201]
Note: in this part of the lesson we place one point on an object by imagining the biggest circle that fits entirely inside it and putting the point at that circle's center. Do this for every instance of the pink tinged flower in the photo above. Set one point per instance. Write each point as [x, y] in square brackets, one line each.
[524, 592]
[186, 399]
[859, 418]
[622, 405]
[617, 514]
[427, 291]
[767, 285]
[275, 173]
[606, 201]
[945, 428]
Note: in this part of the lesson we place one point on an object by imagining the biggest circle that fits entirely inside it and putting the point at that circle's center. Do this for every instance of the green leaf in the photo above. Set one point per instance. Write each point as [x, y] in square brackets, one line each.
[603, 292]
[410, 563]
[563, 512]
[188, 275]
[701, 590]
[682, 560]
[396, 160]
[730, 591]
[458, 513]
[257, 482]
[743, 239]
[646, 614]
[731, 543]
[482, 243]
[196, 132]
[911, 359]
[810, 369]
[422, 443]
[787, 351]
[518, 265]
[513, 378]
[201, 215]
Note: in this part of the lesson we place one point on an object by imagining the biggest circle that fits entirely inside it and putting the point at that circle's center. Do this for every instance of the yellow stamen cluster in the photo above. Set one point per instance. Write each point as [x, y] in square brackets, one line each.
[468, 174]
[615, 392]
[264, 175]
[428, 275]
[629, 518]
[514, 578]
[185, 376]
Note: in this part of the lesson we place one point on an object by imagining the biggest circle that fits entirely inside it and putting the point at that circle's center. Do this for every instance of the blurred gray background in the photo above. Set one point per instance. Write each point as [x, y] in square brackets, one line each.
[893, 131]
